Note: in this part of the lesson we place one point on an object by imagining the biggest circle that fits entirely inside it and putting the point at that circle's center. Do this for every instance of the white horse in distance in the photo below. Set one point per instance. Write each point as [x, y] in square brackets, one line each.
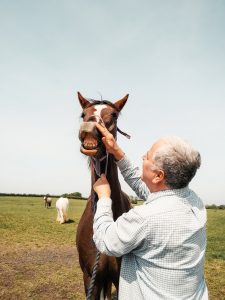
[48, 201]
[62, 206]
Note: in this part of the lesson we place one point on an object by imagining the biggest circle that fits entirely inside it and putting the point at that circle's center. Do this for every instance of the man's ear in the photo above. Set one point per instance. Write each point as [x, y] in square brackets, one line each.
[159, 177]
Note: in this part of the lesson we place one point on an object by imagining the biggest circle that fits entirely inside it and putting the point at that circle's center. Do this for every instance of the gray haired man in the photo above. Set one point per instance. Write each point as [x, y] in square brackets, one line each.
[163, 241]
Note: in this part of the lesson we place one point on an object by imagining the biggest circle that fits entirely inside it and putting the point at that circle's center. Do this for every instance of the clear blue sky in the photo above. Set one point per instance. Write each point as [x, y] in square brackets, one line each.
[168, 55]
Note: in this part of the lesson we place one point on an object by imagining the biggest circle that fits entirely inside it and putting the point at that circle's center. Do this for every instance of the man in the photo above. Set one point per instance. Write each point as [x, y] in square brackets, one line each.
[163, 241]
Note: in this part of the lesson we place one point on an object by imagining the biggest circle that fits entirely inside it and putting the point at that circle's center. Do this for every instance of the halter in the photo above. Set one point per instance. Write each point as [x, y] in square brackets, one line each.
[97, 167]
[97, 164]
[89, 127]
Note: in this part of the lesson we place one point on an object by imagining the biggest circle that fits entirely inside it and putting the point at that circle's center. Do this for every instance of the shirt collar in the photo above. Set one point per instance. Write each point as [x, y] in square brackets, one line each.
[181, 193]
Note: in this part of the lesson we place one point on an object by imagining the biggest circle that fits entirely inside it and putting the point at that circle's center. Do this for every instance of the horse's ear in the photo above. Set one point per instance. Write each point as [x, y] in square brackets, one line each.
[83, 102]
[120, 103]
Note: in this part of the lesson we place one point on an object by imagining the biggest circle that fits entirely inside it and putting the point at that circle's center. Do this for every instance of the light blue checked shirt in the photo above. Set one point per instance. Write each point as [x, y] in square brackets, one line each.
[162, 242]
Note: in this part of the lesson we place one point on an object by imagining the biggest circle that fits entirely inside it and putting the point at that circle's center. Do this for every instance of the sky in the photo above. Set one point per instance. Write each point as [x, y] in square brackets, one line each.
[169, 56]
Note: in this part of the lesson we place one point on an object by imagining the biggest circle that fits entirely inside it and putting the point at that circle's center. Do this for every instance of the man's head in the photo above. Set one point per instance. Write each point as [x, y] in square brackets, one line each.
[171, 163]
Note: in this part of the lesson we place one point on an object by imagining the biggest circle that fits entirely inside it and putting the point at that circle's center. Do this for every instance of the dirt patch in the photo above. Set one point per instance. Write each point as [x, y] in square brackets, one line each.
[47, 273]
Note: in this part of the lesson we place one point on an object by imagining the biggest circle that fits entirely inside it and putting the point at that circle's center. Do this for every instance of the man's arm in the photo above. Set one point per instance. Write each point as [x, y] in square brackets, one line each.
[132, 176]
[130, 173]
[119, 237]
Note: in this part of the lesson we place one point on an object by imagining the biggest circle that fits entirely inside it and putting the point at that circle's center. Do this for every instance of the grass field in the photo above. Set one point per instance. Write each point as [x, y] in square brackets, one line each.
[38, 257]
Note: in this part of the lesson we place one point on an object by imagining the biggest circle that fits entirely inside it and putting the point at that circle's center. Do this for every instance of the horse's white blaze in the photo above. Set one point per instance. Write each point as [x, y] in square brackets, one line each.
[98, 109]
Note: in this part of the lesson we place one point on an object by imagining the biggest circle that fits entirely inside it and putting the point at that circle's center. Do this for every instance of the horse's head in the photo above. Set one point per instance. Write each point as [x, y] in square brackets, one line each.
[103, 112]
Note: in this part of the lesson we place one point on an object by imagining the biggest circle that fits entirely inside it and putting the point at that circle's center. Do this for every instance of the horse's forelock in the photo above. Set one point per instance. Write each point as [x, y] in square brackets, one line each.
[100, 102]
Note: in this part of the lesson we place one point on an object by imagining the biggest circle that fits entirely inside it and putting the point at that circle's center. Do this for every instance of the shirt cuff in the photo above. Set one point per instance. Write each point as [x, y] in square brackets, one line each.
[104, 202]
[104, 206]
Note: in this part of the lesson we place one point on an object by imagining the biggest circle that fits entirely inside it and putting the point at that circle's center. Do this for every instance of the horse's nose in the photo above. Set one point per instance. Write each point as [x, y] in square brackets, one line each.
[87, 127]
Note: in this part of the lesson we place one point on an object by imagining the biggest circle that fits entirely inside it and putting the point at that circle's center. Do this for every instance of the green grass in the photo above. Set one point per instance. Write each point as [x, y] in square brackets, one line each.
[215, 254]
[39, 259]
[25, 220]
[216, 234]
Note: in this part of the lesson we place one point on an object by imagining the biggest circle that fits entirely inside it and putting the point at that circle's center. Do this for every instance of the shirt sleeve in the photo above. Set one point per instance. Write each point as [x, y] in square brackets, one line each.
[132, 176]
[119, 237]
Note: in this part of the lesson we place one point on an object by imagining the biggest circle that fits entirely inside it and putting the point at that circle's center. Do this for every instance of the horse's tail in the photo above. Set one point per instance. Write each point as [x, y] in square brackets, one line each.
[65, 214]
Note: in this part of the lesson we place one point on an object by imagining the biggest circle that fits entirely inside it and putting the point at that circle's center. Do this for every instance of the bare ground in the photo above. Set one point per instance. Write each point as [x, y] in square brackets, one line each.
[46, 273]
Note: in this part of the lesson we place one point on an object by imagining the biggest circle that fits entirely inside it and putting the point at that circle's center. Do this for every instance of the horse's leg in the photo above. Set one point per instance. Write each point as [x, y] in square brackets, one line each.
[61, 216]
[86, 280]
[97, 291]
[58, 215]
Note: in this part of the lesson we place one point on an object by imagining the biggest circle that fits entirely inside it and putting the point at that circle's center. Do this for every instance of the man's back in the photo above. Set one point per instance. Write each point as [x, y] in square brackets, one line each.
[169, 262]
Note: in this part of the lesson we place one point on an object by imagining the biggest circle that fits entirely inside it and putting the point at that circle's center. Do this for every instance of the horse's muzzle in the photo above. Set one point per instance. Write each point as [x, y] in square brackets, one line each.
[89, 137]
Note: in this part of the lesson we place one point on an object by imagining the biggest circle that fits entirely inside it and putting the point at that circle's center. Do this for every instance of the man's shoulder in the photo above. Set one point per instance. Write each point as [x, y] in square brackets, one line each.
[157, 206]
[161, 205]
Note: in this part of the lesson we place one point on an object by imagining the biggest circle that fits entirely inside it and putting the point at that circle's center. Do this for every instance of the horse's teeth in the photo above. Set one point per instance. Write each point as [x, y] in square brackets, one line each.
[90, 145]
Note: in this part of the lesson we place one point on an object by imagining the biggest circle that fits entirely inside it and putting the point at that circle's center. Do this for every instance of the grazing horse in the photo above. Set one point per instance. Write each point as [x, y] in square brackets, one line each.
[62, 206]
[108, 268]
[48, 201]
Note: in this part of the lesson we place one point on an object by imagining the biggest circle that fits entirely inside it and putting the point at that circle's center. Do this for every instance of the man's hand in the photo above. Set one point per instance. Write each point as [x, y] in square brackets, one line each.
[110, 143]
[102, 187]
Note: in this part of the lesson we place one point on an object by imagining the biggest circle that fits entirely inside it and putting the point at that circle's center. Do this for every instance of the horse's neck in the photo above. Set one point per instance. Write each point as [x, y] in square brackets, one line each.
[120, 202]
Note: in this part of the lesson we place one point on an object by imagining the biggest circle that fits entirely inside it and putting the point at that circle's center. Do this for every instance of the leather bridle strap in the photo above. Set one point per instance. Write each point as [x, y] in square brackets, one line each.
[123, 133]
[97, 164]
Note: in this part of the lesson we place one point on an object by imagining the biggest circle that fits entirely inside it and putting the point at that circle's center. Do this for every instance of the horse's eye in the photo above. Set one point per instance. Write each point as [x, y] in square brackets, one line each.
[114, 115]
[82, 115]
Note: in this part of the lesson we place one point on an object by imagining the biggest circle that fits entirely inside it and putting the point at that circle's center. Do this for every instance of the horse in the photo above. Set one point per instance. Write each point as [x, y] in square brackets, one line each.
[62, 206]
[108, 268]
[48, 201]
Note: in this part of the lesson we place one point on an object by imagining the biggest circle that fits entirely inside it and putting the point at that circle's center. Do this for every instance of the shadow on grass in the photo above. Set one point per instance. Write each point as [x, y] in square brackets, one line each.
[69, 221]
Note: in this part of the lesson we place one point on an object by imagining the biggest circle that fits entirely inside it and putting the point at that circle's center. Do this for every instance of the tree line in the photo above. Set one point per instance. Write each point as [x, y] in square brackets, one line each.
[214, 206]
[75, 195]
[78, 195]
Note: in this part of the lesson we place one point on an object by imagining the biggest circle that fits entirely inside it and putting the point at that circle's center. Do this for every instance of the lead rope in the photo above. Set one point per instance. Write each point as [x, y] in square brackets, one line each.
[95, 268]
[93, 276]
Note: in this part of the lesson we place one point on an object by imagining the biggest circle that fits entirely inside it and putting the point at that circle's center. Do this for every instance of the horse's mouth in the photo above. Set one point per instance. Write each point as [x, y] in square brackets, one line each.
[89, 152]
[90, 145]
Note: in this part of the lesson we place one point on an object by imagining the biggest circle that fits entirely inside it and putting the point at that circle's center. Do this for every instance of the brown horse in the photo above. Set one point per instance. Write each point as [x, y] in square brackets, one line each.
[108, 268]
